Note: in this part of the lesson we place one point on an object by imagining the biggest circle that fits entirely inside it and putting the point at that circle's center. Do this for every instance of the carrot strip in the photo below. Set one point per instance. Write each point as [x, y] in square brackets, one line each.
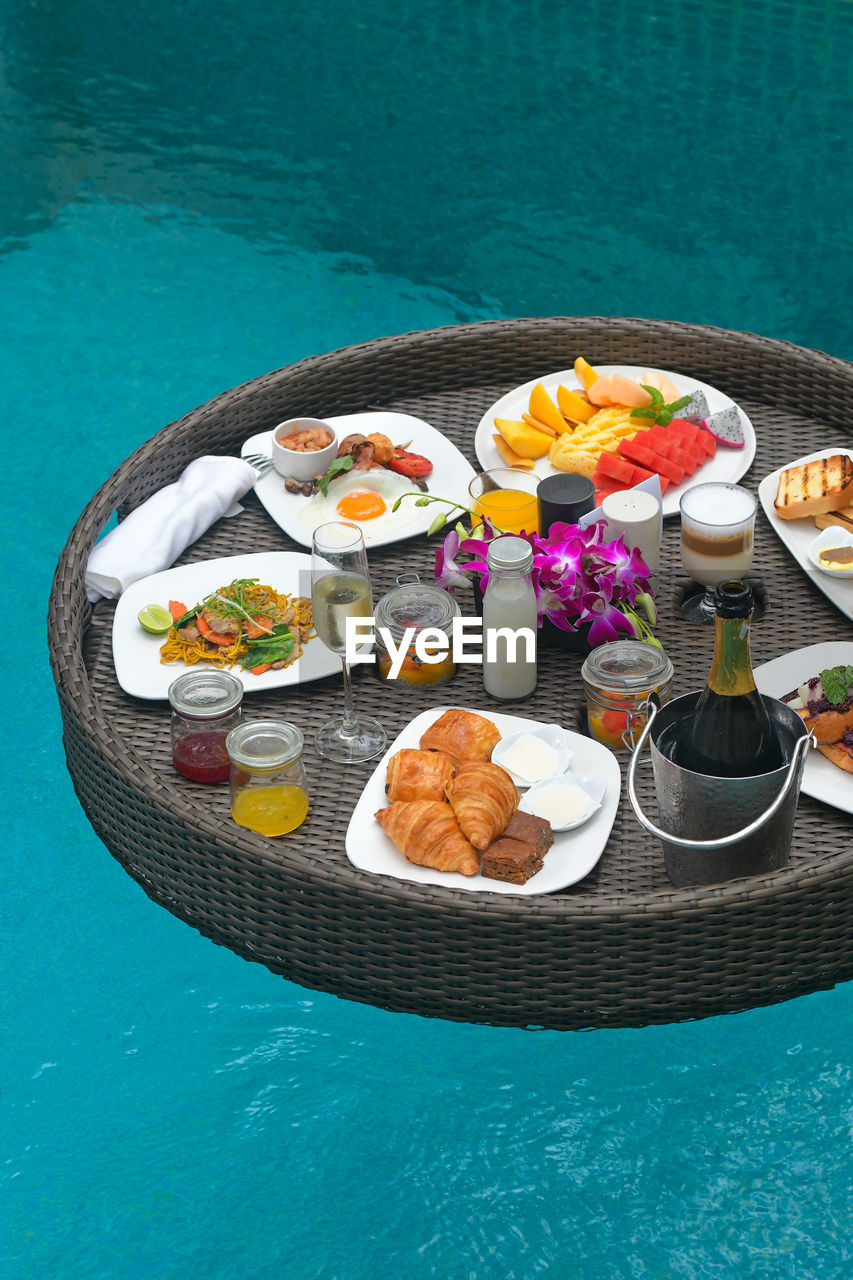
[259, 671]
[256, 628]
[211, 635]
[177, 609]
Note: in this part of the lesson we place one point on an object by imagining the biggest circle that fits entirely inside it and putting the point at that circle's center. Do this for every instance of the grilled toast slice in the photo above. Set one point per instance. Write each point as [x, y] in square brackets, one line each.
[814, 488]
[843, 518]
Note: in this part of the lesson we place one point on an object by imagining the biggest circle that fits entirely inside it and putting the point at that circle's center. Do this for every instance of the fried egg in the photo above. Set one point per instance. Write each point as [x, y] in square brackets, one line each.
[365, 498]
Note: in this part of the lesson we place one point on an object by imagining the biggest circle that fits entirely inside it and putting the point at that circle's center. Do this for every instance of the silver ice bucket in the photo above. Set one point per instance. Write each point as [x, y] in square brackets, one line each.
[716, 829]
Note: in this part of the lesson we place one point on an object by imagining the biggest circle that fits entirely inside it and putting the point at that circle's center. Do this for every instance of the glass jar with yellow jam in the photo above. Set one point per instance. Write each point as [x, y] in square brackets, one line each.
[269, 791]
[427, 613]
[617, 677]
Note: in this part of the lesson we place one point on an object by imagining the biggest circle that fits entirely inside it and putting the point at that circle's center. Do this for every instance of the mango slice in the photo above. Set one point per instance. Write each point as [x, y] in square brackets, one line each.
[543, 407]
[510, 457]
[538, 425]
[572, 406]
[524, 440]
[584, 373]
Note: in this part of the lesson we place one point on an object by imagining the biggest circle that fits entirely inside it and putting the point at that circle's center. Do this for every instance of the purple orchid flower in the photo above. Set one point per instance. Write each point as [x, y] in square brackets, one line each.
[579, 578]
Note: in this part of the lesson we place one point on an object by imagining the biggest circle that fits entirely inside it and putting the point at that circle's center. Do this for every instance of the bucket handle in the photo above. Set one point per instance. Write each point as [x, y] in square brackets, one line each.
[652, 706]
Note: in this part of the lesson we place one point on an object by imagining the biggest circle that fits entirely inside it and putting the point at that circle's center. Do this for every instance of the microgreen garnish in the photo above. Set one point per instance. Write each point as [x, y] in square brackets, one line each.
[658, 411]
[336, 466]
[837, 682]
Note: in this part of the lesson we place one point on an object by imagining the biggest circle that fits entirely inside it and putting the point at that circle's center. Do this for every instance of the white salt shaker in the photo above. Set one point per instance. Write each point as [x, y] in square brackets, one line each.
[635, 515]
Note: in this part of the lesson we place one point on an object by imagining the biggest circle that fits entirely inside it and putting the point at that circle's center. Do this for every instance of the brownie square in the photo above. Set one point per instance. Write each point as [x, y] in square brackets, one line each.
[532, 830]
[510, 860]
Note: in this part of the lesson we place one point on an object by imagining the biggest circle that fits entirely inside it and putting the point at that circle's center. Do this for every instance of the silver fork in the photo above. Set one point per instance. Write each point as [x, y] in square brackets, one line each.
[260, 461]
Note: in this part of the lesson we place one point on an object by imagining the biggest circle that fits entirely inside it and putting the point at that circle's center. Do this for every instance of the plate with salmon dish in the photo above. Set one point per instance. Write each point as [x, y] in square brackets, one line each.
[619, 425]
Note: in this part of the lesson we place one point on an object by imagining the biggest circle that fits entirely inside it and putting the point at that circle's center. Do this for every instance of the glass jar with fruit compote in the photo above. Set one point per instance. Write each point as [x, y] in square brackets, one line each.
[617, 678]
[206, 706]
[426, 612]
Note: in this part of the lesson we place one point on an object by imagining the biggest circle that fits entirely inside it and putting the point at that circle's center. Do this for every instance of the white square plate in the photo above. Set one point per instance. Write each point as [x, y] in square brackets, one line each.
[798, 534]
[450, 476]
[572, 856]
[822, 780]
[136, 654]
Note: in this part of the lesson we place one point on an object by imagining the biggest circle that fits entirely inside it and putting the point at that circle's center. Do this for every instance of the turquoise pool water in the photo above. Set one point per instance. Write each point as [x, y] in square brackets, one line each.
[196, 194]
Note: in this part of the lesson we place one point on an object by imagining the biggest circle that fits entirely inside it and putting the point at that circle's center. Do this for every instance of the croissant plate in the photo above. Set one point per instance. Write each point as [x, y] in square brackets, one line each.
[427, 833]
[417, 775]
[483, 797]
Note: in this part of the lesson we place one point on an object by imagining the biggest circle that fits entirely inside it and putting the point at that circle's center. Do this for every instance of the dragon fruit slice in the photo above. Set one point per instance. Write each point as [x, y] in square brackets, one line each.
[725, 425]
[696, 409]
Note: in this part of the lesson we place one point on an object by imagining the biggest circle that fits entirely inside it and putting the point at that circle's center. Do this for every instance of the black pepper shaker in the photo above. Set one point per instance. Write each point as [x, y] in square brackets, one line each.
[564, 499]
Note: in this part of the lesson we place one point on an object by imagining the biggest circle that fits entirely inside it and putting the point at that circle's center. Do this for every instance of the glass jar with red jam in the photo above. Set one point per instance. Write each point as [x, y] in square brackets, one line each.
[205, 708]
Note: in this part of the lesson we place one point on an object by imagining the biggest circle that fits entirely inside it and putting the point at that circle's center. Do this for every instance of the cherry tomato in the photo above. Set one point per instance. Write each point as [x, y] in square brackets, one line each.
[412, 465]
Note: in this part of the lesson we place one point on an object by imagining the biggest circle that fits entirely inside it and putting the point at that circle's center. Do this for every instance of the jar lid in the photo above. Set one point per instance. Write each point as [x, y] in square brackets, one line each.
[204, 695]
[415, 604]
[629, 665]
[261, 746]
[510, 552]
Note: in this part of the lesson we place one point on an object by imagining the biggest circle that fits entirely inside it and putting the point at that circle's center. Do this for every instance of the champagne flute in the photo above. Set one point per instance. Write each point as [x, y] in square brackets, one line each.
[340, 589]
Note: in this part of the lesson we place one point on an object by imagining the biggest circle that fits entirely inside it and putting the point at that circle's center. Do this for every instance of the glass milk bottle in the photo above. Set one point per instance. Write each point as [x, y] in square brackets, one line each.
[509, 603]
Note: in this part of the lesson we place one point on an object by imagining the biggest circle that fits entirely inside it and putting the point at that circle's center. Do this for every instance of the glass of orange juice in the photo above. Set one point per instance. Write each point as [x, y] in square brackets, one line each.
[507, 498]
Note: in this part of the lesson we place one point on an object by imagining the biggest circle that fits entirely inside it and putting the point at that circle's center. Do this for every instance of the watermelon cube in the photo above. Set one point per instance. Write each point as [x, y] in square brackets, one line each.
[614, 467]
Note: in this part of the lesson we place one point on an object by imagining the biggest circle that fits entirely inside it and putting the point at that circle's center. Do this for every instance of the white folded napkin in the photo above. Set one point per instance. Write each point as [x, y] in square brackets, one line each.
[154, 535]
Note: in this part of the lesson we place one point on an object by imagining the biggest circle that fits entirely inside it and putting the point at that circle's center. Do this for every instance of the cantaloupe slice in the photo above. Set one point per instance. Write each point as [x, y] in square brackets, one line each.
[584, 373]
[573, 407]
[654, 378]
[524, 440]
[542, 407]
[510, 457]
[613, 388]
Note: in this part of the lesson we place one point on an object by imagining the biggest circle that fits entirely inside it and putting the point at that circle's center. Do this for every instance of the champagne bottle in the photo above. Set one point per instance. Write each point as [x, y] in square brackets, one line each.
[731, 735]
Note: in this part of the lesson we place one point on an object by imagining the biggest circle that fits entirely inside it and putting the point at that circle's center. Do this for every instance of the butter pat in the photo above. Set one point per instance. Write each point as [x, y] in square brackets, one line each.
[531, 755]
[565, 801]
[560, 803]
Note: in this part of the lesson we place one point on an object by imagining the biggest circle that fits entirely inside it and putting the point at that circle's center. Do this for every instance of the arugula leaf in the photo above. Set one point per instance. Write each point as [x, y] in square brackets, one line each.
[336, 466]
[837, 682]
[270, 648]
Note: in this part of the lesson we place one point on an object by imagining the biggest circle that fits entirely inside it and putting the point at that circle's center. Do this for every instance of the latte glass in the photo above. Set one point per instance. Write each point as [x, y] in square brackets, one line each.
[717, 540]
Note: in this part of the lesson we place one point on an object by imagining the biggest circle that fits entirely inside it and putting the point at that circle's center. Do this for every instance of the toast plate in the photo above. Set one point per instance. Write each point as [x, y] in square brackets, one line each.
[727, 464]
[450, 476]
[822, 780]
[572, 856]
[136, 654]
[797, 535]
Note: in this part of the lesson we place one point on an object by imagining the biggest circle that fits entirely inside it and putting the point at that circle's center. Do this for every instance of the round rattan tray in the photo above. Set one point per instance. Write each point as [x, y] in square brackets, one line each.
[622, 947]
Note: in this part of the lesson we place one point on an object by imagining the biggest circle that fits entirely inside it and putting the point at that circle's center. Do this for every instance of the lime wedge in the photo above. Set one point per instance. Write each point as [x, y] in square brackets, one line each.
[155, 618]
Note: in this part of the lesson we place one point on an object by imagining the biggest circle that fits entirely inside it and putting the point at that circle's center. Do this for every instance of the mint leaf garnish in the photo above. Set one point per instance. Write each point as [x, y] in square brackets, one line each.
[659, 412]
[836, 682]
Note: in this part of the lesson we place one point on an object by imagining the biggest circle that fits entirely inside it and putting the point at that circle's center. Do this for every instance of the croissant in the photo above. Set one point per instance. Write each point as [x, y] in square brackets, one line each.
[463, 735]
[417, 775]
[427, 833]
[483, 797]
